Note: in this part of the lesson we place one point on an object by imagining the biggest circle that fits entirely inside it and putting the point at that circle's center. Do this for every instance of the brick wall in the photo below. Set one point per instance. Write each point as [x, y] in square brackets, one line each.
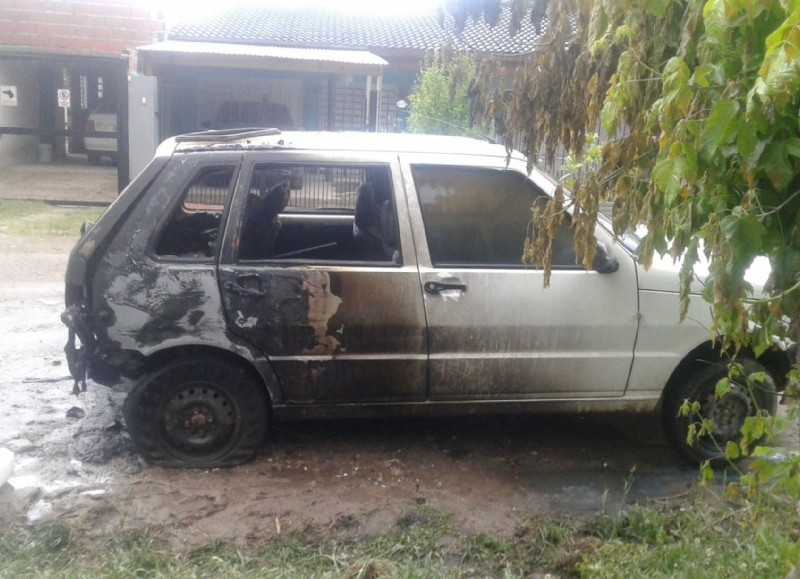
[81, 27]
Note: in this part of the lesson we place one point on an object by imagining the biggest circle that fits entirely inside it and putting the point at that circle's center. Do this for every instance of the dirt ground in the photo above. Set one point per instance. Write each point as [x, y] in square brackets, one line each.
[74, 461]
[70, 179]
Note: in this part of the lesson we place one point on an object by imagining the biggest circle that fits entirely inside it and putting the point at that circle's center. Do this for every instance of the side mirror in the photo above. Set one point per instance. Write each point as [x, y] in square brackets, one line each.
[603, 261]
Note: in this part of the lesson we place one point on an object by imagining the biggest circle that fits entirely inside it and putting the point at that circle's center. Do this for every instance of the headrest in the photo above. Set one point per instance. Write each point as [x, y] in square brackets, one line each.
[366, 206]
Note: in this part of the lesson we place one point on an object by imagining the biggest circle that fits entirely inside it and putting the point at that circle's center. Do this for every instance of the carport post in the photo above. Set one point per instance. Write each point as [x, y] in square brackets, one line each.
[378, 94]
[367, 97]
[123, 162]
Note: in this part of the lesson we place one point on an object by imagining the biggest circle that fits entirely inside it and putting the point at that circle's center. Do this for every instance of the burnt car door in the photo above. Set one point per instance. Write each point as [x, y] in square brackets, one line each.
[494, 331]
[318, 275]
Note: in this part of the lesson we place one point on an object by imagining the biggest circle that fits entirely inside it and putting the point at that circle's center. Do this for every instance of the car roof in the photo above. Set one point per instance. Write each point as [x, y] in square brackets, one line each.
[331, 141]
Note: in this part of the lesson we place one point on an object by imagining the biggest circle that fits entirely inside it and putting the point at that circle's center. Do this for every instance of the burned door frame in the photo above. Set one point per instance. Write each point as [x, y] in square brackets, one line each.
[335, 333]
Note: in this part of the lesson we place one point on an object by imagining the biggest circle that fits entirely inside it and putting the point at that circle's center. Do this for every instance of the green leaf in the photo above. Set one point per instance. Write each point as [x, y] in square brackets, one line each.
[657, 7]
[720, 127]
[732, 450]
[707, 75]
[714, 19]
[749, 146]
[608, 117]
[754, 428]
[675, 74]
[776, 164]
[722, 388]
[780, 74]
[706, 473]
[668, 176]
[793, 147]
[744, 234]
[780, 70]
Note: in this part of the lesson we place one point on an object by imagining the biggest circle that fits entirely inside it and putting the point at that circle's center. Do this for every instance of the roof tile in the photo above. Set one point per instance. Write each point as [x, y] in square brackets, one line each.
[329, 28]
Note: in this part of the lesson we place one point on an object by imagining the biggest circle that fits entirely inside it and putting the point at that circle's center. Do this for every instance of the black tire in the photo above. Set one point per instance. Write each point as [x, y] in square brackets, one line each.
[197, 413]
[727, 413]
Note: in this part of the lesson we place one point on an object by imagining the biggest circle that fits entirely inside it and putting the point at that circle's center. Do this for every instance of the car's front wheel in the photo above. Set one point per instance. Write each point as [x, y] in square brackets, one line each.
[727, 413]
[197, 413]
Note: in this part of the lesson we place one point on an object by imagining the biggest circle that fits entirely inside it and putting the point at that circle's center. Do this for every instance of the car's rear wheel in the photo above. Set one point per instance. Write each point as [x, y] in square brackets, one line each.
[727, 413]
[197, 413]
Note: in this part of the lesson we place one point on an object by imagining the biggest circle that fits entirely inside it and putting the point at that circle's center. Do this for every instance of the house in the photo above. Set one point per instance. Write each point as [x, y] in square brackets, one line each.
[266, 63]
[325, 67]
[58, 60]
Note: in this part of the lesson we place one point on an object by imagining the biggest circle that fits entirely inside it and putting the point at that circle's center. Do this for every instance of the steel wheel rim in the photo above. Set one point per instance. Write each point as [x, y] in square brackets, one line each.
[199, 418]
[728, 413]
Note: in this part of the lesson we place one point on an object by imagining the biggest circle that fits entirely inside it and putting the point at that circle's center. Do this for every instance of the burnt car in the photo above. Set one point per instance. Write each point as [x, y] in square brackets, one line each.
[262, 275]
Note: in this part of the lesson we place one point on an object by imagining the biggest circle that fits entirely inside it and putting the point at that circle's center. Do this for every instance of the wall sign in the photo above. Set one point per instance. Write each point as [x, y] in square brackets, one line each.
[63, 97]
[8, 95]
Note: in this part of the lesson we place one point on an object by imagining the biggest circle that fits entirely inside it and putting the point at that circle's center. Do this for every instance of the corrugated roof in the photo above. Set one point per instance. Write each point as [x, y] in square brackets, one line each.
[330, 28]
[275, 52]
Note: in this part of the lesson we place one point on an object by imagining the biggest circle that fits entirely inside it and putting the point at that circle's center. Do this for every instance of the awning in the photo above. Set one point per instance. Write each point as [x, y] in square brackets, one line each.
[284, 58]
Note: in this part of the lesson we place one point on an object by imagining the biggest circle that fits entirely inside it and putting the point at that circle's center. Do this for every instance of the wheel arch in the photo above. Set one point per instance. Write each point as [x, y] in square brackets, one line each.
[264, 377]
[775, 361]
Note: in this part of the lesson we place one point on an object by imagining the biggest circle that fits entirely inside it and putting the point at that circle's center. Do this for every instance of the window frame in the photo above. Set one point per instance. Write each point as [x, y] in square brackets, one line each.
[329, 214]
[536, 191]
[177, 203]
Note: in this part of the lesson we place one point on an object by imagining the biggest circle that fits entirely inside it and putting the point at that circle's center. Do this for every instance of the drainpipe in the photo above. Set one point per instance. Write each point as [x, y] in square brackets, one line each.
[368, 123]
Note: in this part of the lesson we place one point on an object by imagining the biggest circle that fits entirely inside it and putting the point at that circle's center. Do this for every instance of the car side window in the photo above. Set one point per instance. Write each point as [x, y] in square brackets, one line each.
[193, 228]
[481, 217]
[320, 213]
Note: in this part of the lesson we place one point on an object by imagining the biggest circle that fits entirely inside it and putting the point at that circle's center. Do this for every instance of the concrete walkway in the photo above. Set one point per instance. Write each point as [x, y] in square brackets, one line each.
[68, 180]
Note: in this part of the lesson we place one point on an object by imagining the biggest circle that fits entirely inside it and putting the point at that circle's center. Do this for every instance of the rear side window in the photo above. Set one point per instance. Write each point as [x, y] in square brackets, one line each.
[193, 229]
[320, 213]
[480, 217]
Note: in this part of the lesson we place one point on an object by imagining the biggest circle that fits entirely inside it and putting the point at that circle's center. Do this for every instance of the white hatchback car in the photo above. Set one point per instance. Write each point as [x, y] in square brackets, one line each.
[245, 276]
[101, 120]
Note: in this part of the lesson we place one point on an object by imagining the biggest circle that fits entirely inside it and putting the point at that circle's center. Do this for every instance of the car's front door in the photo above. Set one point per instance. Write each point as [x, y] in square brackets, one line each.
[494, 331]
[318, 276]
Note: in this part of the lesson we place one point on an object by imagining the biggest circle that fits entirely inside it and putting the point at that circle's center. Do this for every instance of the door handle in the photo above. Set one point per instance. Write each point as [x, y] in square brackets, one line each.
[235, 288]
[434, 287]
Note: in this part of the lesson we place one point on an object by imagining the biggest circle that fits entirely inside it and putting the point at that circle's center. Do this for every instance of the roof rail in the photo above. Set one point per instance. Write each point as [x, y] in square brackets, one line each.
[226, 135]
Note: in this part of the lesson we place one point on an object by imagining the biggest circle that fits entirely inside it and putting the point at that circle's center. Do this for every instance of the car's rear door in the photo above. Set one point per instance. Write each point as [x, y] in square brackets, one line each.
[338, 311]
[494, 331]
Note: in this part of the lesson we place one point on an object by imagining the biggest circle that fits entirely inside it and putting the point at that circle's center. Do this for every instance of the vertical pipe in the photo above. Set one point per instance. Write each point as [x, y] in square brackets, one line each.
[120, 78]
[378, 98]
[331, 124]
[367, 100]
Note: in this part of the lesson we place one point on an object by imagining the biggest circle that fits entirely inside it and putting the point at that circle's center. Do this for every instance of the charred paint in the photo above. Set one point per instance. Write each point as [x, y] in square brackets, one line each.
[158, 304]
[322, 306]
[333, 334]
[196, 316]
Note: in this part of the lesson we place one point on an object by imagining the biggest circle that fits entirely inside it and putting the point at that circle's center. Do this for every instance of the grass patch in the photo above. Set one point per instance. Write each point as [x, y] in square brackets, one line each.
[697, 538]
[36, 218]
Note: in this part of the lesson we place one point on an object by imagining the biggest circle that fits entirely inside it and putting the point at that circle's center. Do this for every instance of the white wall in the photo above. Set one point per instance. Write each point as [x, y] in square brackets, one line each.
[19, 148]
